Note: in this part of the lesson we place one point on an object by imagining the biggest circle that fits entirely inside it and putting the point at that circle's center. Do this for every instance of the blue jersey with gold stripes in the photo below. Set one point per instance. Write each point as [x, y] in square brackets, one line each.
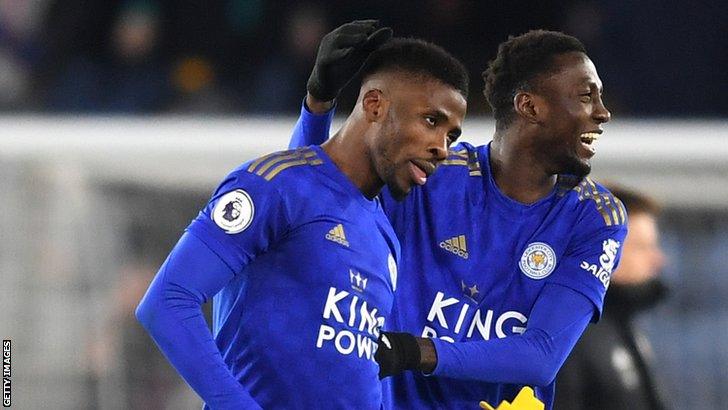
[474, 262]
[316, 270]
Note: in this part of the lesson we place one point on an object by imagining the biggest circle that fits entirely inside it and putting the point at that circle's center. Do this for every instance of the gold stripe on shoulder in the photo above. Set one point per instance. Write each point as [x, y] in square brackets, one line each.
[608, 204]
[597, 197]
[605, 214]
[454, 162]
[296, 155]
[464, 158]
[583, 190]
[283, 166]
[474, 164]
[588, 190]
[305, 157]
[282, 156]
[612, 205]
[261, 159]
[463, 153]
[622, 211]
[255, 164]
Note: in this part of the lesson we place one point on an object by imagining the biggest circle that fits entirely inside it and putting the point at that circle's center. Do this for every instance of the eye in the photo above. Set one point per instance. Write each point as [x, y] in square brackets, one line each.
[430, 120]
[585, 98]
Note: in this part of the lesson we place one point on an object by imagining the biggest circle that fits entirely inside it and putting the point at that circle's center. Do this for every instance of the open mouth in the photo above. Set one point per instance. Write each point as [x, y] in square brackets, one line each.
[588, 147]
[589, 137]
[420, 170]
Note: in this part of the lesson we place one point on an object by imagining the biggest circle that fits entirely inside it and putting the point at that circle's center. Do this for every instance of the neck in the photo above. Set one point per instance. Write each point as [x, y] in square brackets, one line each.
[516, 168]
[349, 152]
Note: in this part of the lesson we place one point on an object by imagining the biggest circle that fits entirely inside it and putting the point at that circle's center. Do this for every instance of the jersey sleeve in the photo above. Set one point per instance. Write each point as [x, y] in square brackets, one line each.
[244, 217]
[558, 319]
[591, 257]
[171, 312]
[311, 129]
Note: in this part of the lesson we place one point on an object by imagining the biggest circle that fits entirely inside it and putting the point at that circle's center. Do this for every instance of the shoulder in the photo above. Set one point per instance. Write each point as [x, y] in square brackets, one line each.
[275, 177]
[275, 167]
[464, 159]
[595, 204]
[461, 173]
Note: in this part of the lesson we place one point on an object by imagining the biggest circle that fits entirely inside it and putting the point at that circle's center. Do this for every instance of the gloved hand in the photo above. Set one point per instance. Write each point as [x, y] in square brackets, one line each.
[341, 54]
[396, 353]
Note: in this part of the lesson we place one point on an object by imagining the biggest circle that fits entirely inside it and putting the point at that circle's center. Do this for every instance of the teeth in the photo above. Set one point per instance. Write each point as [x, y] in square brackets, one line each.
[589, 137]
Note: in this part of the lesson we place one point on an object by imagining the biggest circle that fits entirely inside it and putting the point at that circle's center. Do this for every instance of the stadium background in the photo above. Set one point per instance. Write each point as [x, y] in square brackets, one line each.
[118, 118]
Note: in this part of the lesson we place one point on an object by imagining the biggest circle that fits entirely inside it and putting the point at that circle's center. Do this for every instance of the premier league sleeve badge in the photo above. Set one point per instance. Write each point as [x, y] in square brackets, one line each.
[234, 211]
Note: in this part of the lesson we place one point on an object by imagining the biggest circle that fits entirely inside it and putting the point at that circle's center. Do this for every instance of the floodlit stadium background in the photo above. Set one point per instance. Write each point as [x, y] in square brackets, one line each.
[118, 118]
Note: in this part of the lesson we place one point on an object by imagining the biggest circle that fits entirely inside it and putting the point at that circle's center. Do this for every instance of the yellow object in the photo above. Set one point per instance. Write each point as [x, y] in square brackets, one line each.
[525, 400]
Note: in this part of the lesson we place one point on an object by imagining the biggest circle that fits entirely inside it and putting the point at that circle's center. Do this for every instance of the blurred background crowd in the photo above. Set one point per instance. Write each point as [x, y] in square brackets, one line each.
[242, 56]
[93, 201]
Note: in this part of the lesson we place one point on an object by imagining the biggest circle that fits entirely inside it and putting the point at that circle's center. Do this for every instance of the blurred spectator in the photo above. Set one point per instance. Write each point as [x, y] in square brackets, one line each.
[126, 76]
[610, 365]
[196, 89]
[19, 25]
[281, 79]
[111, 55]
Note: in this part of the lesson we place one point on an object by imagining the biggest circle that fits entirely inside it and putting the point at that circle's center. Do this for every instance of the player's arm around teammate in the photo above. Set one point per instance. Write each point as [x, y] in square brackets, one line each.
[558, 317]
[303, 228]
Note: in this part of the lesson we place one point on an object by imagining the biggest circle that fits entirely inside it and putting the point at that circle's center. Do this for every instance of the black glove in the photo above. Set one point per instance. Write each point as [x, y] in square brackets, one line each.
[341, 54]
[396, 353]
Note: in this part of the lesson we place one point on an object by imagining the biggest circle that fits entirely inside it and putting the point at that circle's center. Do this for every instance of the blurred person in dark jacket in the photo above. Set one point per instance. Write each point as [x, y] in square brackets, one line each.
[117, 70]
[610, 366]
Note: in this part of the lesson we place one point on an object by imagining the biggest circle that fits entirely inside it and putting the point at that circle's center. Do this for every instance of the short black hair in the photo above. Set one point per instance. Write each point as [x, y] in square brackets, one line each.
[418, 57]
[520, 60]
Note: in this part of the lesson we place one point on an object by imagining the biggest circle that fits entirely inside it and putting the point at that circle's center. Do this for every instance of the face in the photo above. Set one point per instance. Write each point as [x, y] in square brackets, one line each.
[642, 257]
[572, 115]
[423, 119]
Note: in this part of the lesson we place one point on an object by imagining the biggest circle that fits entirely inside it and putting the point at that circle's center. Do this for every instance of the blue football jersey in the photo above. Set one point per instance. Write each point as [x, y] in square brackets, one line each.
[474, 261]
[316, 270]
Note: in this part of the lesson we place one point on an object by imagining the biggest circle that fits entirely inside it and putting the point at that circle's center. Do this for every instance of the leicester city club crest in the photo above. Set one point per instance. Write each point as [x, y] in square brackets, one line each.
[538, 260]
[234, 211]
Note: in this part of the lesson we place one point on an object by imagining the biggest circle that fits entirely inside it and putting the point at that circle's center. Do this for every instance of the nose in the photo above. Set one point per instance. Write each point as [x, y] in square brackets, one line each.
[438, 150]
[601, 114]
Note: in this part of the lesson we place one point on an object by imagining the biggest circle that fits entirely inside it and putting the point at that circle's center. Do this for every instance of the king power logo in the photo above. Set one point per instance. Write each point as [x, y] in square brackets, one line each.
[451, 315]
[352, 327]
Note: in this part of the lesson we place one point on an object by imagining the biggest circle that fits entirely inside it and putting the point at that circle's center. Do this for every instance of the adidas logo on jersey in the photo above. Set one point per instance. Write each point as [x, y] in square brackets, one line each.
[336, 234]
[456, 245]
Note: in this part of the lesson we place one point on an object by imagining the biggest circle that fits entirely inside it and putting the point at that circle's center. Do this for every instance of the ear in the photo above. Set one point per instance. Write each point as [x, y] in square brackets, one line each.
[374, 105]
[528, 106]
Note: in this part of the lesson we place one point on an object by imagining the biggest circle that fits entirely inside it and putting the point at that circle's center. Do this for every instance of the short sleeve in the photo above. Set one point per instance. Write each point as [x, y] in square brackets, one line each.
[244, 217]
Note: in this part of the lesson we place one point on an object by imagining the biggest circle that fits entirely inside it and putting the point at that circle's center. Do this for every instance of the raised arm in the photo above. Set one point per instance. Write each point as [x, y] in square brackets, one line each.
[312, 128]
[341, 54]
